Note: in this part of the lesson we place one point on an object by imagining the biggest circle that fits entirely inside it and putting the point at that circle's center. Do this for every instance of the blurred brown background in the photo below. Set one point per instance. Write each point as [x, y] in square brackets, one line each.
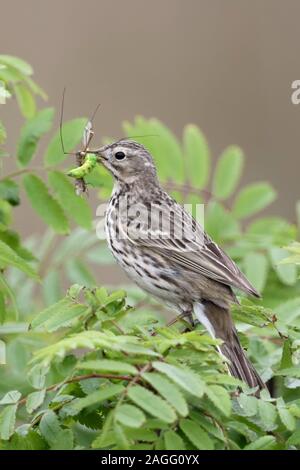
[226, 65]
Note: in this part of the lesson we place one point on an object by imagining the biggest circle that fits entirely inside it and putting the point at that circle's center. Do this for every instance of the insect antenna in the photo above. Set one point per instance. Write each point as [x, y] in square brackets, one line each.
[61, 124]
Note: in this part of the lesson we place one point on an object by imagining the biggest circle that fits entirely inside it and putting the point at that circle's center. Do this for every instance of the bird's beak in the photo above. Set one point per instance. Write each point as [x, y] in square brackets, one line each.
[99, 153]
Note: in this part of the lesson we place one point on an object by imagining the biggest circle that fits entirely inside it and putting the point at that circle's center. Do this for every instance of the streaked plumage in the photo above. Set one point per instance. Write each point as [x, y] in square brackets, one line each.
[184, 267]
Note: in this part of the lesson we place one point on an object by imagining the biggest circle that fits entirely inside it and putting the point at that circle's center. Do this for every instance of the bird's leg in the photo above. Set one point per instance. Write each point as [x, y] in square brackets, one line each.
[187, 315]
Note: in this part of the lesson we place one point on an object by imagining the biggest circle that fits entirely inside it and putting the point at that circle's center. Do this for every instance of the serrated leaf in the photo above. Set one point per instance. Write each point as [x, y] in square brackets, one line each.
[121, 438]
[7, 421]
[106, 438]
[285, 415]
[58, 315]
[173, 441]
[34, 400]
[268, 415]
[57, 438]
[256, 269]
[31, 132]
[151, 403]
[294, 439]
[10, 398]
[93, 398]
[130, 416]
[76, 207]
[252, 199]
[197, 156]
[37, 376]
[107, 365]
[248, 404]
[168, 391]
[262, 443]
[198, 437]
[186, 379]
[228, 172]
[72, 132]
[44, 204]
[220, 398]
[11, 258]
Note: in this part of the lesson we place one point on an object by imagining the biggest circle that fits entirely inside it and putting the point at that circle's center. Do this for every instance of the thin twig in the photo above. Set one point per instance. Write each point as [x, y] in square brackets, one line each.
[78, 378]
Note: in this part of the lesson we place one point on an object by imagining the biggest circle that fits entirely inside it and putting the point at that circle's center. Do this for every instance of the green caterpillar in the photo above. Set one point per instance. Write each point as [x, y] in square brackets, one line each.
[87, 166]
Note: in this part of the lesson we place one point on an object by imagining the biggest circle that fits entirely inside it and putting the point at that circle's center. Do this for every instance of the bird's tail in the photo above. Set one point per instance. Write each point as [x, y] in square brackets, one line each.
[218, 322]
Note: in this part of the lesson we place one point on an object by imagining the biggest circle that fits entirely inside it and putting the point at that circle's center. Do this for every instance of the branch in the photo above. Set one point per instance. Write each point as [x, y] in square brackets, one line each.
[78, 378]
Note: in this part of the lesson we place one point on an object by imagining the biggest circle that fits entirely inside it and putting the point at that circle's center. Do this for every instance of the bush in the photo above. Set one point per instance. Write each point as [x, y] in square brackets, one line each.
[103, 374]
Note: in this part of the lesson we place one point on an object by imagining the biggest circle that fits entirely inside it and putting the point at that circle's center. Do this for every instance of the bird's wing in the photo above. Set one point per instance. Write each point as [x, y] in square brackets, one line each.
[176, 235]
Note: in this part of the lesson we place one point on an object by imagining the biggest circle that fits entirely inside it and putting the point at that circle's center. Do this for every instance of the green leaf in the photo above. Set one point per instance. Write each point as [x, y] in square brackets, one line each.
[294, 439]
[37, 376]
[130, 416]
[151, 403]
[75, 206]
[262, 443]
[31, 132]
[25, 100]
[121, 438]
[196, 435]
[248, 404]
[220, 398]
[220, 223]
[108, 365]
[252, 199]
[7, 421]
[285, 415]
[168, 391]
[72, 132]
[59, 315]
[11, 258]
[268, 415]
[256, 269]
[173, 441]
[57, 438]
[286, 357]
[185, 378]
[93, 398]
[16, 63]
[228, 172]
[287, 273]
[44, 204]
[9, 190]
[10, 398]
[34, 400]
[197, 155]
[105, 439]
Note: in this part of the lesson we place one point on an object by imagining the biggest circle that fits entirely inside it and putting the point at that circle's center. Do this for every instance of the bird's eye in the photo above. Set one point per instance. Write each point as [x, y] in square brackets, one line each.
[119, 155]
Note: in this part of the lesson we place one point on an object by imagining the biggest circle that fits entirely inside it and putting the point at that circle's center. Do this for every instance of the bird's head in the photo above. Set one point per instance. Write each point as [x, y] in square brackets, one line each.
[128, 161]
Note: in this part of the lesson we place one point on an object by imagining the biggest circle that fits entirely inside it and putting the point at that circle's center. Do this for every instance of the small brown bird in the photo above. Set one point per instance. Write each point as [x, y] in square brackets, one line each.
[167, 253]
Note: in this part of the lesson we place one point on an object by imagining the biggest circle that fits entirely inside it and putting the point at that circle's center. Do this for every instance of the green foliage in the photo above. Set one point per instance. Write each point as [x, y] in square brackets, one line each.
[99, 368]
